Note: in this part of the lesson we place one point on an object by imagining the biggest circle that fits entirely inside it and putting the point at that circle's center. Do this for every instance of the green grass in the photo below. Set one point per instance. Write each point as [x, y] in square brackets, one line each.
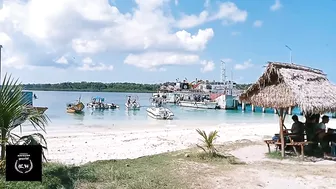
[274, 155]
[169, 170]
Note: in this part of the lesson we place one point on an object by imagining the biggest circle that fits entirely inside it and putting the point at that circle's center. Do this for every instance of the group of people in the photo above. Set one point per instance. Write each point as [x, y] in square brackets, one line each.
[315, 130]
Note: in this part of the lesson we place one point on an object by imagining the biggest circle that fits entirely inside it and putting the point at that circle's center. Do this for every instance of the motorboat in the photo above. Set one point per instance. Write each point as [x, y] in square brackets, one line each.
[160, 113]
[76, 107]
[132, 104]
[201, 105]
[158, 101]
[98, 103]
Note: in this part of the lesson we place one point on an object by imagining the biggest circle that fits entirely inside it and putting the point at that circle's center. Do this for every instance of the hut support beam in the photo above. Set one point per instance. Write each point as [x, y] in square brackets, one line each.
[281, 121]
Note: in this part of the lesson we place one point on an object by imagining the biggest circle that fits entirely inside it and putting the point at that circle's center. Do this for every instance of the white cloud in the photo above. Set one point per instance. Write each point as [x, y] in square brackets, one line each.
[62, 60]
[207, 66]
[206, 3]
[235, 33]
[154, 60]
[245, 65]
[176, 2]
[53, 28]
[228, 12]
[257, 23]
[89, 65]
[276, 6]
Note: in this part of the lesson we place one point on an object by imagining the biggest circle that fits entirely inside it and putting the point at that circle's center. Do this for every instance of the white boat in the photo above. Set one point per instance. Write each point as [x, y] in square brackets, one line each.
[98, 103]
[160, 113]
[201, 105]
[158, 101]
[132, 104]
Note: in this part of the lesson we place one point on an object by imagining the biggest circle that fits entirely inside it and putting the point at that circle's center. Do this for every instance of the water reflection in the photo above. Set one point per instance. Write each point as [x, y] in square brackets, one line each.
[77, 116]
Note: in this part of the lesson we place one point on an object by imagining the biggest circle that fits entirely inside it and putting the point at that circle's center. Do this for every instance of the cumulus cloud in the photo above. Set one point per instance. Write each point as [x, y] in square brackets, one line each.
[62, 60]
[276, 6]
[89, 65]
[257, 23]
[155, 60]
[247, 64]
[228, 12]
[207, 66]
[52, 28]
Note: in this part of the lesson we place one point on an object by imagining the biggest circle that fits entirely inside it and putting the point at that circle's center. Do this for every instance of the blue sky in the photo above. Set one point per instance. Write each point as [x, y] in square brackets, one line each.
[151, 41]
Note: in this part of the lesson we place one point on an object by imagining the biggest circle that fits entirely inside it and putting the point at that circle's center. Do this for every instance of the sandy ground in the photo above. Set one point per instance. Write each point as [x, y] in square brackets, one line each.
[90, 144]
[262, 172]
[79, 145]
[82, 144]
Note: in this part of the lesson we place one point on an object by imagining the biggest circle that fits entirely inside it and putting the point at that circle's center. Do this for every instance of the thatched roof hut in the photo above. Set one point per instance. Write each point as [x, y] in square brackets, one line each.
[284, 85]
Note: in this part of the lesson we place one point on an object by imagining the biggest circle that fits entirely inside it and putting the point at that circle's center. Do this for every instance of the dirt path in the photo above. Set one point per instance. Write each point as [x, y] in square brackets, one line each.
[261, 172]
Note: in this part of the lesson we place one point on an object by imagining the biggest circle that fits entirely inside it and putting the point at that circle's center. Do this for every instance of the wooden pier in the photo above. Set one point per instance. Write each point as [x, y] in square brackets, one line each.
[263, 110]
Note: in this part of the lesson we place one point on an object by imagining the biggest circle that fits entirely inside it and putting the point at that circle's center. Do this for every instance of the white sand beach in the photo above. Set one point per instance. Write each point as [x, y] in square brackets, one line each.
[82, 144]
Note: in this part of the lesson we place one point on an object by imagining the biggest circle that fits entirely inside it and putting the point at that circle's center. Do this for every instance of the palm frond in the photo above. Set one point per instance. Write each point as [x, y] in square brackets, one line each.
[34, 139]
[208, 141]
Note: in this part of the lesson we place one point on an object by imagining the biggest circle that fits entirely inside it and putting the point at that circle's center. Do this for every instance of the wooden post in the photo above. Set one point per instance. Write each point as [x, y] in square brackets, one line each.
[281, 119]
[263, 110]
[253, 108]
[289, 111]
[243, 106]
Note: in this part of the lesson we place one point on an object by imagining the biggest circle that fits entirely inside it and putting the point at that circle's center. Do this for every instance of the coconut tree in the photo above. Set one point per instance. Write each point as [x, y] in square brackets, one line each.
[14, 112]
[208, 141]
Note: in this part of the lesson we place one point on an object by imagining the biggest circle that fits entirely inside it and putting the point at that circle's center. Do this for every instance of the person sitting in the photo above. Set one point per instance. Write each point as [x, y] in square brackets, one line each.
[297, 129]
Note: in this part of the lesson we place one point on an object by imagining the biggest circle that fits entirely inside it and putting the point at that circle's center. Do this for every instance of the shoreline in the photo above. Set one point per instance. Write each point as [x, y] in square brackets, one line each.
[78, 144]
[73, 146]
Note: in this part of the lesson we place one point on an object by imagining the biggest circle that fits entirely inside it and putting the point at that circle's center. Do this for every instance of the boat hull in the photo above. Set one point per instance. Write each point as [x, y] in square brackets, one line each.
[160, 113]
[132, 106]
[201, 105]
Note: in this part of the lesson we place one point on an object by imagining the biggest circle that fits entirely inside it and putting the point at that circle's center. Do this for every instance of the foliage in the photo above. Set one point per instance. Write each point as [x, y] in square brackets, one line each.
[208, 141]
[243, 86]
[148, 172]
[14, 112]
[94, 86]
[103, 87]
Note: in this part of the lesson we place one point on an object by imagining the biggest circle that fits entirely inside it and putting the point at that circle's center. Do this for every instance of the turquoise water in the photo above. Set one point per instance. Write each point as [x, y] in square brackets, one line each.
[56, 102]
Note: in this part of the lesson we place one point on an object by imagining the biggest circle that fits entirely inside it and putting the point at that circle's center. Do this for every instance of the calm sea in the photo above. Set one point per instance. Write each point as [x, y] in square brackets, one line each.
[56, 102]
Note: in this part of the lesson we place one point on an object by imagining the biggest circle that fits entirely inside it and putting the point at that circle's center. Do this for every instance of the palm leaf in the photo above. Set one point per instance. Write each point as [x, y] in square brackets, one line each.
[14, 112]
[208, 141]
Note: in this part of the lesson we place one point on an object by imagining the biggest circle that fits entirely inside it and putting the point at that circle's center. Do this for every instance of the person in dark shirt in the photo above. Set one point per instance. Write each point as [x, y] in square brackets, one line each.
[297, 129]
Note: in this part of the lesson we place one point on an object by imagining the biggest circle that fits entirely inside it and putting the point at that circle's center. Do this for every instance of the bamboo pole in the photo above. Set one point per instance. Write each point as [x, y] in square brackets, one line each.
[281, 121]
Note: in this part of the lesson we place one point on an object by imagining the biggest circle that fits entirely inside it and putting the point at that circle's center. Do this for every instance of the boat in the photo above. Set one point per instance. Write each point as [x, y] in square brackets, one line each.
[201, 105]
[132, 103]
[98, 103]
[160, 113]
[76, 107]
[158, 101]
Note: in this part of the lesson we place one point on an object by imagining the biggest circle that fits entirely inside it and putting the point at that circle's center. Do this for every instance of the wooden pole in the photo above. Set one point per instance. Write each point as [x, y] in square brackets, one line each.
[281, 120]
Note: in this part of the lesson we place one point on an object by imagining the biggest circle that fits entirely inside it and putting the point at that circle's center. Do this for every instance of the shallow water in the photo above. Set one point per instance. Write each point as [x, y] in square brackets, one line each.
[56, 102]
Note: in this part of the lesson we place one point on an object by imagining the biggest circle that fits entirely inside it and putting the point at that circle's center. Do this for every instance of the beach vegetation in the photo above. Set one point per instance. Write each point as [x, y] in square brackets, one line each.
[161, 171]
[103, 87]
[14, 113]
[207, 141]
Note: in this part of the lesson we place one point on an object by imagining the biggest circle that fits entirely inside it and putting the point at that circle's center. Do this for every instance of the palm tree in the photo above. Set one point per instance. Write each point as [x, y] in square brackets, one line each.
[13, 113]
[208, 141]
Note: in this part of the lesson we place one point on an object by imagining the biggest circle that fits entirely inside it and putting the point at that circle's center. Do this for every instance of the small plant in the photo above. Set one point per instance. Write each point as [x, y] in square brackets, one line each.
[208, 142]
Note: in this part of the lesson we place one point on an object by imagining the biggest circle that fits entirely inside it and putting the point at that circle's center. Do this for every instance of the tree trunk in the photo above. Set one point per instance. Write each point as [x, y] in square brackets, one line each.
[281, 120]
[3, 144]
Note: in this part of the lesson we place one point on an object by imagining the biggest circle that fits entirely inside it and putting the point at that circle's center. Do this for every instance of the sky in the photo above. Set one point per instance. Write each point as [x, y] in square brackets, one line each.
[153, 41]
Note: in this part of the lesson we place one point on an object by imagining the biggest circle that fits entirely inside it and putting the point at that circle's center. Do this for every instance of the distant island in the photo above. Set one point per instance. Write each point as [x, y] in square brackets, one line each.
[103, 87]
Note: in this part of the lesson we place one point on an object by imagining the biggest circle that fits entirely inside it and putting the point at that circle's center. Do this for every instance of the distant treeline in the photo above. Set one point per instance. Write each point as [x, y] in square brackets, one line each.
[102, 87]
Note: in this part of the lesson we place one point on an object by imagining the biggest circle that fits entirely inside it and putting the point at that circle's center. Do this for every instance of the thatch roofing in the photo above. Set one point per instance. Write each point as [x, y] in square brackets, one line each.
[284, 85]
